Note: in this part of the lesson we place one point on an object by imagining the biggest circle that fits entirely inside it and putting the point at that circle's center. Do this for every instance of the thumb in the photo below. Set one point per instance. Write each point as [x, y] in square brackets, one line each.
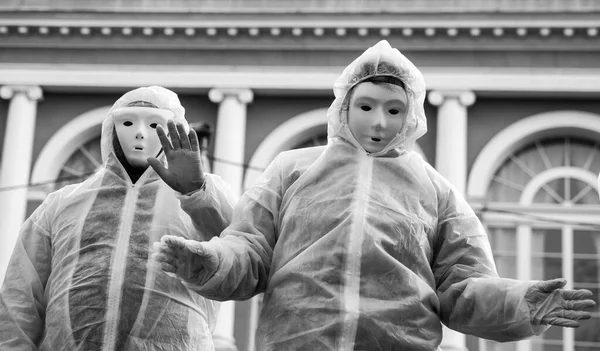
[551, 285]
[158, 167]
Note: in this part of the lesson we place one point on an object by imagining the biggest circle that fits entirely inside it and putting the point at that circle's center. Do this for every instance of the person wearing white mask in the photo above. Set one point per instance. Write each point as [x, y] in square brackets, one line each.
[361, 244]
[79, 277]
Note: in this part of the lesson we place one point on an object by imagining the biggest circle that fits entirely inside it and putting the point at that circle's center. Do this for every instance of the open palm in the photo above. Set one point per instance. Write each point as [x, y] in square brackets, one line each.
[188, 259]
[184, 173]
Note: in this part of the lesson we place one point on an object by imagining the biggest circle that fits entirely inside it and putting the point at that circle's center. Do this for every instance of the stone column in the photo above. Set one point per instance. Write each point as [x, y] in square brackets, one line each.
[16, 164]
[230, 138]
[230, 141]
[451, 162]
[451, 143]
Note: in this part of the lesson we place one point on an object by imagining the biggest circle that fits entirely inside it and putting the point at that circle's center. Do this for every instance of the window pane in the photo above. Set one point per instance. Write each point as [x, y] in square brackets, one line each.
[502, 239]
[546, 260]
[586, 249]
[586, 242]
[585, 270]
[587, 348]
[588, 332]
[80, 164]
[552, 193]
[583, 193]
[546, 241]
[504, 247]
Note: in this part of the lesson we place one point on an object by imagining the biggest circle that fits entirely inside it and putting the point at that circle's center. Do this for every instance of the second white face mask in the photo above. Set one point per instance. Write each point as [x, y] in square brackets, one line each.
[136, 130]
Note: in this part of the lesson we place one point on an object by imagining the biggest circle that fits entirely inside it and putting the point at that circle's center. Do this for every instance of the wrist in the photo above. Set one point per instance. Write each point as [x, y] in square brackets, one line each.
[193, 188]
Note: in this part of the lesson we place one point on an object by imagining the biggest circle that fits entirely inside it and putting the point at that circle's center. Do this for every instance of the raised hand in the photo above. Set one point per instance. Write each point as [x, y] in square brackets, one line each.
[551, 305]
[188, 259]
[185, 172]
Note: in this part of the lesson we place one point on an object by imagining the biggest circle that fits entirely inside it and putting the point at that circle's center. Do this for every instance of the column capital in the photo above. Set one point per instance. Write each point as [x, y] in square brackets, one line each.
[244, 96]
[33, 92]
[465, 97]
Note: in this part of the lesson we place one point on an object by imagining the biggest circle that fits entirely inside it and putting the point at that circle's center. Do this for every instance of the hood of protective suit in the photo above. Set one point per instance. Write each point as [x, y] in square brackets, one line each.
[160, 97]
[380, 60]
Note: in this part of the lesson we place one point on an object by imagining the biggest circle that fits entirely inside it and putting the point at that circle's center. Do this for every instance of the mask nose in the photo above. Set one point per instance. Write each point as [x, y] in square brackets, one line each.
[139, 134]
[380, 121]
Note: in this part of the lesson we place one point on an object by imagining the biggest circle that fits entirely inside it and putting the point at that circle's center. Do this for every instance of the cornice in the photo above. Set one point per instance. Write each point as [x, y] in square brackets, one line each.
[305, 6]
[449, 30]
[279, 80]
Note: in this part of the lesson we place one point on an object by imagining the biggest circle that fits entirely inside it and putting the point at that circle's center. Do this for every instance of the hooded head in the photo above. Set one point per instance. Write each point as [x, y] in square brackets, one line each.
[378, 104]
[132, 120]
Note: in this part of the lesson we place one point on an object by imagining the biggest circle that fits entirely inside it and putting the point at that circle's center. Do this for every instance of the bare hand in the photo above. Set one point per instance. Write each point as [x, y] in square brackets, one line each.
[185, 172]
[551, 305]
[188, 259]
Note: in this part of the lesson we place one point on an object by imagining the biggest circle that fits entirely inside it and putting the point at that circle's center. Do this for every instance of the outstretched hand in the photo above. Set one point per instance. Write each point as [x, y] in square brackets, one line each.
[185, 172]
[551, 305]
[188, 259]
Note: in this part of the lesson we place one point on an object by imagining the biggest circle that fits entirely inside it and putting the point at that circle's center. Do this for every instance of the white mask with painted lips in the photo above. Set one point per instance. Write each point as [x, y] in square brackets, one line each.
[136, 130]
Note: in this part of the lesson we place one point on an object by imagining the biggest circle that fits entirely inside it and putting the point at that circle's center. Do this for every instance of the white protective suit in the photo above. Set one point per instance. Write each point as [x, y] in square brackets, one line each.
[79, 277]
[359, 251]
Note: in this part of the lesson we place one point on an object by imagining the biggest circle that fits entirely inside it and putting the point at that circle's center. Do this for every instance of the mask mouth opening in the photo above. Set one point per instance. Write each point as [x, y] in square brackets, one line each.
[376, 139]
[139, 148]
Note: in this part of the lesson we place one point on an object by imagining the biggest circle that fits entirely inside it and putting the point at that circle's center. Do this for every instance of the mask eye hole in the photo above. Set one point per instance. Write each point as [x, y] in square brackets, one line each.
[365, 108]
[394, 111]
[153, 125]
[127, 123]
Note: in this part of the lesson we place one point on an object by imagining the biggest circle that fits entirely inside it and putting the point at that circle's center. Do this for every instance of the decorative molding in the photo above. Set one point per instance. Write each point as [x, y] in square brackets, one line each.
[437, 97]
[33, 92]
[303, 27]
[394, 7]
[580, 82]
[242, 95]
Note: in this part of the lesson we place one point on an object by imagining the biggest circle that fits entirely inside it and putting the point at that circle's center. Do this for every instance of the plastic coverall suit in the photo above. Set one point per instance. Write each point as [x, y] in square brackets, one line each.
[358, 251]
[79, 277]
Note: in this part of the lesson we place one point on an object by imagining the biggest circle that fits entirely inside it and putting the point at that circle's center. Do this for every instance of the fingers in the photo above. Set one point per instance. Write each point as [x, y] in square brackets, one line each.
[173, 242]
[174, 135]
[165, 257]
[551, 285]
[163, 138]
[180, 138]
[579, 304]
[577, 294]
[158, 168]
[183, 137]
[194, 143]
[575, 315]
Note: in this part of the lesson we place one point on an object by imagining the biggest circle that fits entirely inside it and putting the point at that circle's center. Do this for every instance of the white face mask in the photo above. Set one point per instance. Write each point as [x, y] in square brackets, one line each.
[136, 130]
[376, 114]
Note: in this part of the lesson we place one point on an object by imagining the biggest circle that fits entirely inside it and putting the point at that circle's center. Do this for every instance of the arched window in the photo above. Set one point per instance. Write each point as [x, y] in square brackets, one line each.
[542, 212]
[72, 154]
[84, 161]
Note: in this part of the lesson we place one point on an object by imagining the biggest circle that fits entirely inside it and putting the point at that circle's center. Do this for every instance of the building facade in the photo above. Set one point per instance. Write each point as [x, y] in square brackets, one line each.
[513, 109]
